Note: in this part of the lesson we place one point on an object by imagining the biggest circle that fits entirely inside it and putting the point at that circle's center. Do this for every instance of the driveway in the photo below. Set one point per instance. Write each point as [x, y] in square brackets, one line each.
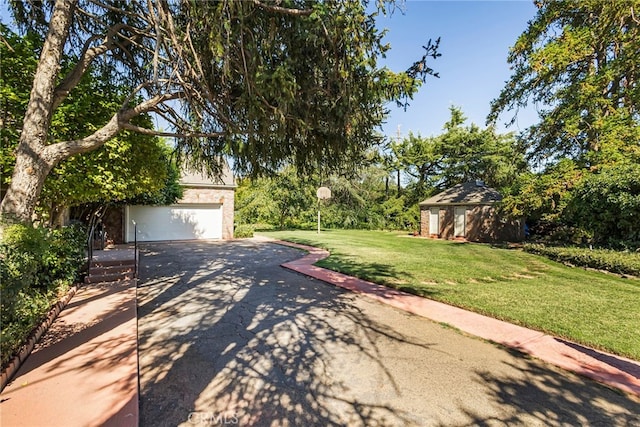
[228, 337]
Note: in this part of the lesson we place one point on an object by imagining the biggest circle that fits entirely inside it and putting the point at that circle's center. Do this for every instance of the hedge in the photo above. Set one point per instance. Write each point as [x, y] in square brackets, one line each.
[600, 259]
[37, 266]
[243, 231]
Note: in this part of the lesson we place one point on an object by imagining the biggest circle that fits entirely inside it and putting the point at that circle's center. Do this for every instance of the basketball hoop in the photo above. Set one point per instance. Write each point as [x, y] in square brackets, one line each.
[323, 193]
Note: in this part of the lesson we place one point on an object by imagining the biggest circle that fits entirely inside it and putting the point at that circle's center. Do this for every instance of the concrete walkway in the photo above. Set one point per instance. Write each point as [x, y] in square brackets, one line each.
[84, 370]
[614, 371]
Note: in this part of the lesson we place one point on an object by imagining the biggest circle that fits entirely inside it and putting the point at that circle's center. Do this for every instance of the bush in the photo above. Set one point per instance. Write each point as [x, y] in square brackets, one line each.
[601, 259]
[22, 252]
[607, 205]
[243, 231]
[37, 266]
[263, 227]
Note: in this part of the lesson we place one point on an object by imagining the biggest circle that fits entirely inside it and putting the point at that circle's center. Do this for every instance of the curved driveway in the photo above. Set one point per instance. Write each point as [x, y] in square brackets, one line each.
[228, 337]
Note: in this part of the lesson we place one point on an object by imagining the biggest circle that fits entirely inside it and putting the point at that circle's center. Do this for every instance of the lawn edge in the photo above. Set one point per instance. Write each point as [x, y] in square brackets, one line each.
[606, 368]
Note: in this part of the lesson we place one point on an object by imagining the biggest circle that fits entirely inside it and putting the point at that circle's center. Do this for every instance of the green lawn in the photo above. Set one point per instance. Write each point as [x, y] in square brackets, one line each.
[596, 309]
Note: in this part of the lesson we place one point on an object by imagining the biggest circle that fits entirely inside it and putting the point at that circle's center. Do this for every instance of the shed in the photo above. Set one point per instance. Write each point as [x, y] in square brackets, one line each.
[467, 212]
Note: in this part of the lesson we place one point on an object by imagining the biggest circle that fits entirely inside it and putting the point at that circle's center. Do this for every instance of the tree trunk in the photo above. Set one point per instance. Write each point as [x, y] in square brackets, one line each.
[26, 185]
[32, 165]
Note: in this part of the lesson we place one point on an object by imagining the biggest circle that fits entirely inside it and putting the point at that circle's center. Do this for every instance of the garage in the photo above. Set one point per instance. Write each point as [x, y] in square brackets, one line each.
[178, 222]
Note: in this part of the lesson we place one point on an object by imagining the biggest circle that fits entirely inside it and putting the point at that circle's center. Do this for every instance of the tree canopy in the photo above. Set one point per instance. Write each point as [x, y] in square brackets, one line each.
[296, 81]
[577, 62]
[460, 154]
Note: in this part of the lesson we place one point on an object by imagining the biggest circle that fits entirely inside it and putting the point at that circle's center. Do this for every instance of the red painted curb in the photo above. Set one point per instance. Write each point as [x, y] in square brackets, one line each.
[609, 369]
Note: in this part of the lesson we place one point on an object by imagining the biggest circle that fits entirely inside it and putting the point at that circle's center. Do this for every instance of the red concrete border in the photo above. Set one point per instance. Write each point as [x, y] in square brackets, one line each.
[611, 370]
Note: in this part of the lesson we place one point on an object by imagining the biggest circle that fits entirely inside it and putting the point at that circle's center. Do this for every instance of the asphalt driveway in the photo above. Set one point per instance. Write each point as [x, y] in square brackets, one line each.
[227, 337]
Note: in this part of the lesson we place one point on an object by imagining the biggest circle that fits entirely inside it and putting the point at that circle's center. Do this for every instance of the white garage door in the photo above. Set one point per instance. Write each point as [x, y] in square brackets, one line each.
[185, 222]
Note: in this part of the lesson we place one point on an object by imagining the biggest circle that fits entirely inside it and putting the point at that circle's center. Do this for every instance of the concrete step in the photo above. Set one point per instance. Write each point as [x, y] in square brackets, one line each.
[111, 266]
[112, 269]
[112, 263]
[114, 277]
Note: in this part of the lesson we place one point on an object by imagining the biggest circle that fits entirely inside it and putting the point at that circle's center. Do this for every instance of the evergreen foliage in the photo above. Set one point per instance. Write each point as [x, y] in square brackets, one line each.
[576, 62]
[267, 84]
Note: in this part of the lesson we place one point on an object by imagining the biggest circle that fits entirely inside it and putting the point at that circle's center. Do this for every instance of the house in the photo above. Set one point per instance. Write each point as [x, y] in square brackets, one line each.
[467, 212]
[205, 211]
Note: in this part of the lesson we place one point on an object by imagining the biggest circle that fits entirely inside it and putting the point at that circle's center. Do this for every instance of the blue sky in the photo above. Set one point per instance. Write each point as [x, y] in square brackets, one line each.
[475, 40]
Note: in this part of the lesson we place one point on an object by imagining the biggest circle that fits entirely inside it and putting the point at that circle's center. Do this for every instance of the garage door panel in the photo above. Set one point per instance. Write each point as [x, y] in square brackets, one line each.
[176, 222]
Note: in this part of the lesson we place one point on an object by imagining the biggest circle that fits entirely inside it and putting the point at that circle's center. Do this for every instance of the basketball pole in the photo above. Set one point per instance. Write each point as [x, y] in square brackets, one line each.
[323, 193]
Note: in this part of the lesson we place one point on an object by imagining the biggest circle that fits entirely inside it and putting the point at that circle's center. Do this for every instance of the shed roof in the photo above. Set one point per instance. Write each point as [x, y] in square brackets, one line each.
[468, 193]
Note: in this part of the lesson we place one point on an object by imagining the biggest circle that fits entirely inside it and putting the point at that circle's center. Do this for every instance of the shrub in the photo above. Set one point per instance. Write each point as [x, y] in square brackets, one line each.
[607, 205]
[601, 259]
[243, 231]
[22, 251]
[37, 266]
[263, 227]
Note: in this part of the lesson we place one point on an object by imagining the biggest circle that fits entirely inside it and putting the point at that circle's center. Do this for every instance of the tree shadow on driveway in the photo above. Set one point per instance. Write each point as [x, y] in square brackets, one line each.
[236, 338]
[541, 396]
[227, 336]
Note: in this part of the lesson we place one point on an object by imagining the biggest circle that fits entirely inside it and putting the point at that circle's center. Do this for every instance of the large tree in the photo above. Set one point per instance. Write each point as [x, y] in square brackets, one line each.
[263, 82]
[578, 63]
[128, 165]
[460, 154]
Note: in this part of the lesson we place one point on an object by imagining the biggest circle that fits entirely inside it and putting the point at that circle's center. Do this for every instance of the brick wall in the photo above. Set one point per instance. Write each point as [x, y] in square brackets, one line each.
[223, 196]
[483, 224]
[424, 222]
[113, 221]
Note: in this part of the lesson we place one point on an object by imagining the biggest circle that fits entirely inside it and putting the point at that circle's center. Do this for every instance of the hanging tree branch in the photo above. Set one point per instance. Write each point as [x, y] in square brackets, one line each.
[283, 10]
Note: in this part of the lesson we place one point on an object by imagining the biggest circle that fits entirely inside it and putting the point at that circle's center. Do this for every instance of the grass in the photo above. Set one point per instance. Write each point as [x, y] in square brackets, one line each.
[592, 308]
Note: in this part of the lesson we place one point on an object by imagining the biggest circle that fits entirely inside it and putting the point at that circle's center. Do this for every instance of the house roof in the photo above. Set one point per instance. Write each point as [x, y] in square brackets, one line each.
[468, 193]
[198, 178]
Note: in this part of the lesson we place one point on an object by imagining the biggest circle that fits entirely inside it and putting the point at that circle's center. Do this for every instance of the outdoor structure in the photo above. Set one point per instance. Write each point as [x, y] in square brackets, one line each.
[206, 211]
[467, 212]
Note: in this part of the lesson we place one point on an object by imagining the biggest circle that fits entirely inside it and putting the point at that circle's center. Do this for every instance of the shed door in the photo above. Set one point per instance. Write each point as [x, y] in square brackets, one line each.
[460, 221]
[434, 221]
